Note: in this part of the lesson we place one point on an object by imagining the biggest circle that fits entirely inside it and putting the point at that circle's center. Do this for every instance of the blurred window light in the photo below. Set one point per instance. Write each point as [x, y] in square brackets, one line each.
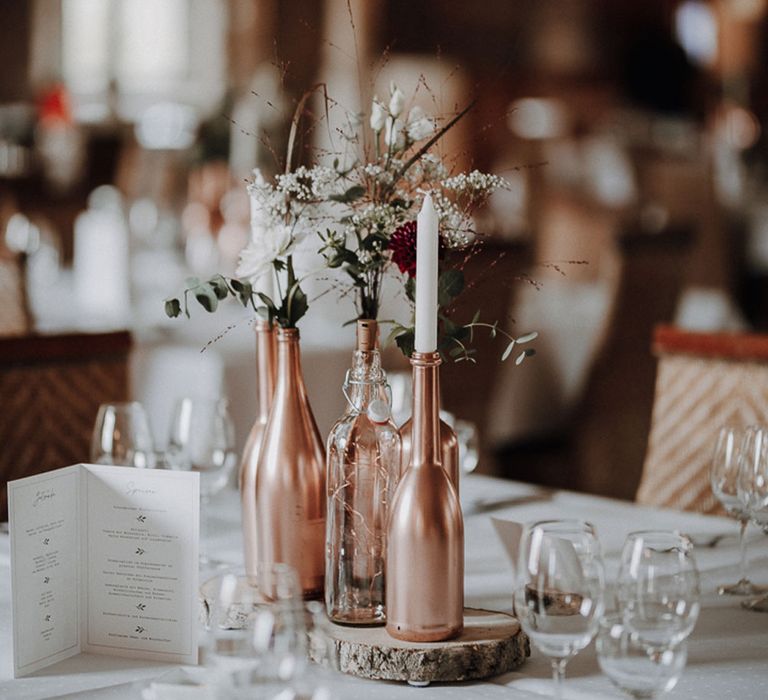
[696, 30]
[152, 43]
[121, 55]
[167, 125]
[85, 44]
[537, 118]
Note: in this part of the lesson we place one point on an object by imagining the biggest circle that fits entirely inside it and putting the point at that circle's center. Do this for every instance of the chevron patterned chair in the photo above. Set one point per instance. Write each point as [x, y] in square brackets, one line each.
[50, 388]
[704, 381]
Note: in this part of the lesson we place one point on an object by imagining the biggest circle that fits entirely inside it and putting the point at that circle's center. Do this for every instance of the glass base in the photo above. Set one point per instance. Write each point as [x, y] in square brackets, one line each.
[363, 617]
[743, 587]
[757, 605]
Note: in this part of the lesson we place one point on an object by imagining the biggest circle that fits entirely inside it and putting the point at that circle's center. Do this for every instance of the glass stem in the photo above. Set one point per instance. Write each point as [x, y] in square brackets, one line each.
[558, 676]
[743, 551]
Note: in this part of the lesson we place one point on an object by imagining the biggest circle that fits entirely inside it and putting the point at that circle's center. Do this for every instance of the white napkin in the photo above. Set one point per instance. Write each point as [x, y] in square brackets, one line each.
[510, 532]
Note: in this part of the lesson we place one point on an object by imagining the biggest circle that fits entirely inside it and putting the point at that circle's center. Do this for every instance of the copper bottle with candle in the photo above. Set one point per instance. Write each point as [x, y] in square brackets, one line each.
[290, 476]
[266, 371]
[363, 470]
[425, 538]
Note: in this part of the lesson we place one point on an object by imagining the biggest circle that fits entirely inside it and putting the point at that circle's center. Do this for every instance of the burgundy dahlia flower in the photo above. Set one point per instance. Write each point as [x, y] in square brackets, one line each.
[402, 243]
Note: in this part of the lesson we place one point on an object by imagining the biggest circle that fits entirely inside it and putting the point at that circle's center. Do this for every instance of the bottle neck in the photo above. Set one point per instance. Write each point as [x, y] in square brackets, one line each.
[426, 409]
[288, 361]
[365, 381]
[266, 365]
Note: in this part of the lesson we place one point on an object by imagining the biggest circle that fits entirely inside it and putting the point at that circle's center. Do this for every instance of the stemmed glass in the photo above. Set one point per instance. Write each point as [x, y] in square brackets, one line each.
[559, 590]
[642, 649]
[122, 436]
[634, 667]
[203, 440]
[752, 488]
[256, 636]
[724, 476]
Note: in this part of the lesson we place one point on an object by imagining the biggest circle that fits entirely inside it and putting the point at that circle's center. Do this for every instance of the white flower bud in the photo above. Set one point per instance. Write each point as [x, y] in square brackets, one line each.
[378, 116]
[394, 135]
[396, 100]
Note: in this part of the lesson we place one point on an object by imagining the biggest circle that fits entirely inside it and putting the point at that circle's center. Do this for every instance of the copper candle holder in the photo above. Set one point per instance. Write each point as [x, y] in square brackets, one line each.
[425, 541]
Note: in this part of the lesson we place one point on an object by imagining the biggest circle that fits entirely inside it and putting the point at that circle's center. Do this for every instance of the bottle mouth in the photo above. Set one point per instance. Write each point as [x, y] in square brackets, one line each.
[367, 334]
[287, 333]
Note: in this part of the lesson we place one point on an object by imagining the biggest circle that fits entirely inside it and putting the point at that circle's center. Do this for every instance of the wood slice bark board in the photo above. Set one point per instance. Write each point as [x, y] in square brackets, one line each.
[492, 643]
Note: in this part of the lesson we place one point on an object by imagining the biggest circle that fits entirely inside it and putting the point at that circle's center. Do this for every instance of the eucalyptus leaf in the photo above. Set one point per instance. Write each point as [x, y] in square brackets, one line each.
[206, 297]
[508, 351]
[220, 288]
[528, 337]
[172, 308]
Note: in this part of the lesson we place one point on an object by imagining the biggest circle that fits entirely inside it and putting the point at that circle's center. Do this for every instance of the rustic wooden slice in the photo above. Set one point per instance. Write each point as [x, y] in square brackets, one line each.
[491, 643]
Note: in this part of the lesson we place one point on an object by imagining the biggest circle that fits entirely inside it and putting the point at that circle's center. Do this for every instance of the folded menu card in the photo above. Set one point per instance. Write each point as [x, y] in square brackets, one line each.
[104, 561]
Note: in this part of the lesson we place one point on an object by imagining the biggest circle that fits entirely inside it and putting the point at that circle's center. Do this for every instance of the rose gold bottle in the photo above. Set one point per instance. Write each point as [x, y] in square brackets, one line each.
[266, 356]
[449, 448]
[290, 476]
[425, 539]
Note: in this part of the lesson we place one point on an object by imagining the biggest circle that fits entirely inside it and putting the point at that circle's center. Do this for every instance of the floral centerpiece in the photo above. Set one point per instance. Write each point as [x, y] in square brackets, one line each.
[364, 215]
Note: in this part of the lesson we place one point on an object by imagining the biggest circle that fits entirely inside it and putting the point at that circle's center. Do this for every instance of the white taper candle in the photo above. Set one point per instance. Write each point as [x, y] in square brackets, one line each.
[426, 277]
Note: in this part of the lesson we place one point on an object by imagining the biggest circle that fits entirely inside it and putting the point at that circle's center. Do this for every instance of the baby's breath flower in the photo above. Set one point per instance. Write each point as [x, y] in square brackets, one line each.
[474, 182]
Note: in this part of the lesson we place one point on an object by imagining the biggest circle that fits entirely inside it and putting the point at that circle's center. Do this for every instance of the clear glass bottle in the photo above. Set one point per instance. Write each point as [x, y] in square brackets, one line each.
[363, 469]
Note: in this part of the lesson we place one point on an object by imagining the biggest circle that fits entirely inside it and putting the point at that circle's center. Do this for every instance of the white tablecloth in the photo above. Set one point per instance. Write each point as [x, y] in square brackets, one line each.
[728, 651]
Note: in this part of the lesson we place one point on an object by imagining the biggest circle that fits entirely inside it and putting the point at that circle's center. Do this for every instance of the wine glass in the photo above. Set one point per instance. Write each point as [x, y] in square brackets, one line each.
[658, 588]
[640, 670]
[203, 440]
[256, 640]
[469, 448]
[122, 436]
[752, 488]
[723, 477]
[559, 590]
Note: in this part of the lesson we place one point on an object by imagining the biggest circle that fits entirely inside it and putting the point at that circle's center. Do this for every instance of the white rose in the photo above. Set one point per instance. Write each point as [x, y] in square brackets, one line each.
[396, 100]
[378, 115]
[267, 244]
[420, 126]
[394, 134]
